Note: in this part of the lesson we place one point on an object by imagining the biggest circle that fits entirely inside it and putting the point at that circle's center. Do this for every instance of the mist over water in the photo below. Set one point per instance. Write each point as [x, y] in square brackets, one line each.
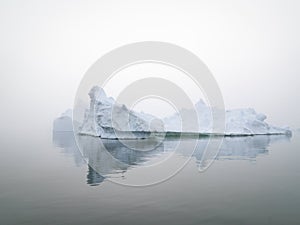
[251, 47]
[254, 180]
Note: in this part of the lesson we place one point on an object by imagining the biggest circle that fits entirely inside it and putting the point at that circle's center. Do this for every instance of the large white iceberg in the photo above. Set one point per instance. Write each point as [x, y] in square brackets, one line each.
[237, 122]
[109, 119]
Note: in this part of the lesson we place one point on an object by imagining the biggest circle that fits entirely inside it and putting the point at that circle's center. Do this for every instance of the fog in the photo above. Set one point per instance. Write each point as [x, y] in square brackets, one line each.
[251, 47]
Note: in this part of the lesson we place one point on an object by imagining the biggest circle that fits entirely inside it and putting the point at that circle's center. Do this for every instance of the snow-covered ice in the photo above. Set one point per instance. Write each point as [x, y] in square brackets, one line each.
[237, 122]
[109, 119]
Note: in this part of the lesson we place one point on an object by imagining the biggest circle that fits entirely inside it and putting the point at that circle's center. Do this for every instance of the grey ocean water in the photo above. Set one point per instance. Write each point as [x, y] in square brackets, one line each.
[45, 180]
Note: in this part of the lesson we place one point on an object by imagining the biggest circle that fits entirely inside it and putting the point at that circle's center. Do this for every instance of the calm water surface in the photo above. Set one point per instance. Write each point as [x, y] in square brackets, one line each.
[46, 180]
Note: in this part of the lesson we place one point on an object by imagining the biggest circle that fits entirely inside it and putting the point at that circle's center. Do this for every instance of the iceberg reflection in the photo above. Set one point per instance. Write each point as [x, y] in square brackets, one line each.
[112, 158]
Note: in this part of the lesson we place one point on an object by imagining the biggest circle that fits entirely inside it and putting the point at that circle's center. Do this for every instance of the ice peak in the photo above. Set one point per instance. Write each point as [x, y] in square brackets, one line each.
[67, 113]
[200, 103]
[97, 93]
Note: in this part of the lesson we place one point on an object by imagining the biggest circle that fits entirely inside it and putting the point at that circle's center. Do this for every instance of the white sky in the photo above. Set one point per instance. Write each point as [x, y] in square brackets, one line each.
[251, 47]
[155, 105]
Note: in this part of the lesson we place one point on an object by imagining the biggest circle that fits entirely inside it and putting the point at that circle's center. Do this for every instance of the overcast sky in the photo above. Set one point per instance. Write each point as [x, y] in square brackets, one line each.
[251, 47]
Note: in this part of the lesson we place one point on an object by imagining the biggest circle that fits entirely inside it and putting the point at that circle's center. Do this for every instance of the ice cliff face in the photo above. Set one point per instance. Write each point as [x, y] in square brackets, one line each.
[247, 121]
[237, 122]
[108, 119]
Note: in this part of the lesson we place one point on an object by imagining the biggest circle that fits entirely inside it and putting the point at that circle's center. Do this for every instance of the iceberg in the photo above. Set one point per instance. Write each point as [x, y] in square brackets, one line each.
[238, 122]
[248, 121]
[64, 122]
[108, 119]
